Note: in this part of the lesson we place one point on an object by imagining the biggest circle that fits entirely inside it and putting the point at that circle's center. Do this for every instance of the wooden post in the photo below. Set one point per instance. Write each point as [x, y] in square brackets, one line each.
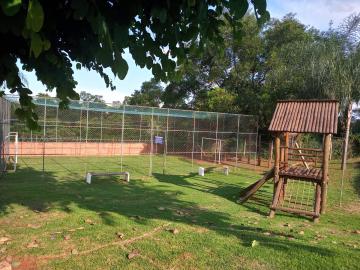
[325, 169]
[270, 155]
[286, 165]
[317, 206]
[286, 150]
[276, 173]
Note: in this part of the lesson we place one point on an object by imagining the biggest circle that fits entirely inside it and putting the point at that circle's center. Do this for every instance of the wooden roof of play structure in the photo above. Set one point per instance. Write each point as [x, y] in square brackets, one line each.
[305, 116]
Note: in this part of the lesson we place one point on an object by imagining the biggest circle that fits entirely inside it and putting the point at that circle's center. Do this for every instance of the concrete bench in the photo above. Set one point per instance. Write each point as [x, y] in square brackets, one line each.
[91, 174]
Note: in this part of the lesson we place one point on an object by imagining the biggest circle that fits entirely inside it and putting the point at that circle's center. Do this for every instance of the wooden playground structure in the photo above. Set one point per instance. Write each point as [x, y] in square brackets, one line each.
[300, 174]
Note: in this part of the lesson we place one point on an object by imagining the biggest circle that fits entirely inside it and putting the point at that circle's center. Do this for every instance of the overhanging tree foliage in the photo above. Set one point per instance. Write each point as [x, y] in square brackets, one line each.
[47, 36]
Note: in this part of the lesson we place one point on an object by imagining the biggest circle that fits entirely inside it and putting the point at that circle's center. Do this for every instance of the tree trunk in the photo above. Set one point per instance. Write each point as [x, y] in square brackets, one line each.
[346, 139]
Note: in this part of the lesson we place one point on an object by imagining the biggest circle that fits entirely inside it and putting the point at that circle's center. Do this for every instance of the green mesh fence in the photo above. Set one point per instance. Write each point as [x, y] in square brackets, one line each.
[152, 137]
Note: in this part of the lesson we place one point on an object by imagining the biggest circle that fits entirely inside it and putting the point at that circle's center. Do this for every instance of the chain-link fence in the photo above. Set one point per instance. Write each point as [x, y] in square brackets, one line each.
[96, 136]
[4, 133]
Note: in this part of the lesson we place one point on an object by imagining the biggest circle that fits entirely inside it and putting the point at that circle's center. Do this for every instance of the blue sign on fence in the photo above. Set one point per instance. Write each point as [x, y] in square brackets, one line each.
[159, 140]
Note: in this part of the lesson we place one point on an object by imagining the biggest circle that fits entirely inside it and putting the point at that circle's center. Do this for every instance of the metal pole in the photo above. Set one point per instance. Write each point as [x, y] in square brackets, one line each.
[122, 138]
[101, 126]
[193, 140]
[237, 142]
[201, 150]
[140, 127]
[244, 151]
[151, 141]
[56, 123]
[220, 146]
[166, 137]
[87, 122]
[258, 150]
[256, 142]
[44, 134]
[216, 134]
[80, 124]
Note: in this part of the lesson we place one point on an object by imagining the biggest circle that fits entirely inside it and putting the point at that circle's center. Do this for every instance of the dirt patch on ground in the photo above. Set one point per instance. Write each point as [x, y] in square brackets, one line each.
[24, 263]
[245, 263]
[353, 208]
[201, 229]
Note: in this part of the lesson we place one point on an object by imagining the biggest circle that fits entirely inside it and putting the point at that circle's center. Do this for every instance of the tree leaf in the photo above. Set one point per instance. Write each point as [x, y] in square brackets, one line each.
[36, 46]
[156, 71]
[239, 8]
[46, 44]
[159, 13]
[10, 7]
[260, 6]
[120, 67]
[80, 7]
[121, 34]
[35, 16]
[191, 3]
[162, 15]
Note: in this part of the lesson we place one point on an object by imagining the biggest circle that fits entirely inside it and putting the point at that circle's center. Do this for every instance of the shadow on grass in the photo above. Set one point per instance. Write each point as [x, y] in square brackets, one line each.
[35, 191]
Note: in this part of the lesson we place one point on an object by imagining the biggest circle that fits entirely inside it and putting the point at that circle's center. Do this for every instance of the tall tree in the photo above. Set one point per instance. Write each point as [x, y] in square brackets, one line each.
[149, 94]
[48, 37]
[241, 67]
[85, 96]
[325, 67]
[216, 100]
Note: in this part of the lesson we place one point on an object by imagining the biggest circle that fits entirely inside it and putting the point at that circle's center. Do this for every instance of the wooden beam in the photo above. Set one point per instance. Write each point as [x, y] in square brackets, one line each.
[286, 165]
[270, 155]
[276, 174]
[277, 159]
[286, 150]
[325, 168]
[317, 205]
[276, 198]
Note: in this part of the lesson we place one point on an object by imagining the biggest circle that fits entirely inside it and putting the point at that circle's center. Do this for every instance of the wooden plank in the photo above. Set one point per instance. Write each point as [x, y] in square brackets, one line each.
[304, 149]
[295, 211]
[308, 160]
[302, 154]
[250, 190]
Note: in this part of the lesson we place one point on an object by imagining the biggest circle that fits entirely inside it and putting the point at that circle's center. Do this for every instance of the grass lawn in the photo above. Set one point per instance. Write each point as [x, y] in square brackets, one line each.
[177, 220]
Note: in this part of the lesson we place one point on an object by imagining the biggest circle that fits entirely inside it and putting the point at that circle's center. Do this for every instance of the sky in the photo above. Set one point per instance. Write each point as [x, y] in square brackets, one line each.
[316, 13]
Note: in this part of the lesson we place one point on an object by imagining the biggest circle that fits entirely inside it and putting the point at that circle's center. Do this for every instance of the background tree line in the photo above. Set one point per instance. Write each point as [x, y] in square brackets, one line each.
[282, 59]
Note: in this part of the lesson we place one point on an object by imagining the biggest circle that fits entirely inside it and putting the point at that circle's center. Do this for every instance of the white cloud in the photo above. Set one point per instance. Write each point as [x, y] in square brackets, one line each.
[315, 13]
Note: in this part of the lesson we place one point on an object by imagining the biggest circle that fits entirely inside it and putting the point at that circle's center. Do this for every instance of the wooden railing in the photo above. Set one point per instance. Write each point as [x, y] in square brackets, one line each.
[309, 157]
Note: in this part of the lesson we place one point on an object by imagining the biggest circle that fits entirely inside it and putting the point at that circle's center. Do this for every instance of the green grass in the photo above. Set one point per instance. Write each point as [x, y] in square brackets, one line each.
[214, 232]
